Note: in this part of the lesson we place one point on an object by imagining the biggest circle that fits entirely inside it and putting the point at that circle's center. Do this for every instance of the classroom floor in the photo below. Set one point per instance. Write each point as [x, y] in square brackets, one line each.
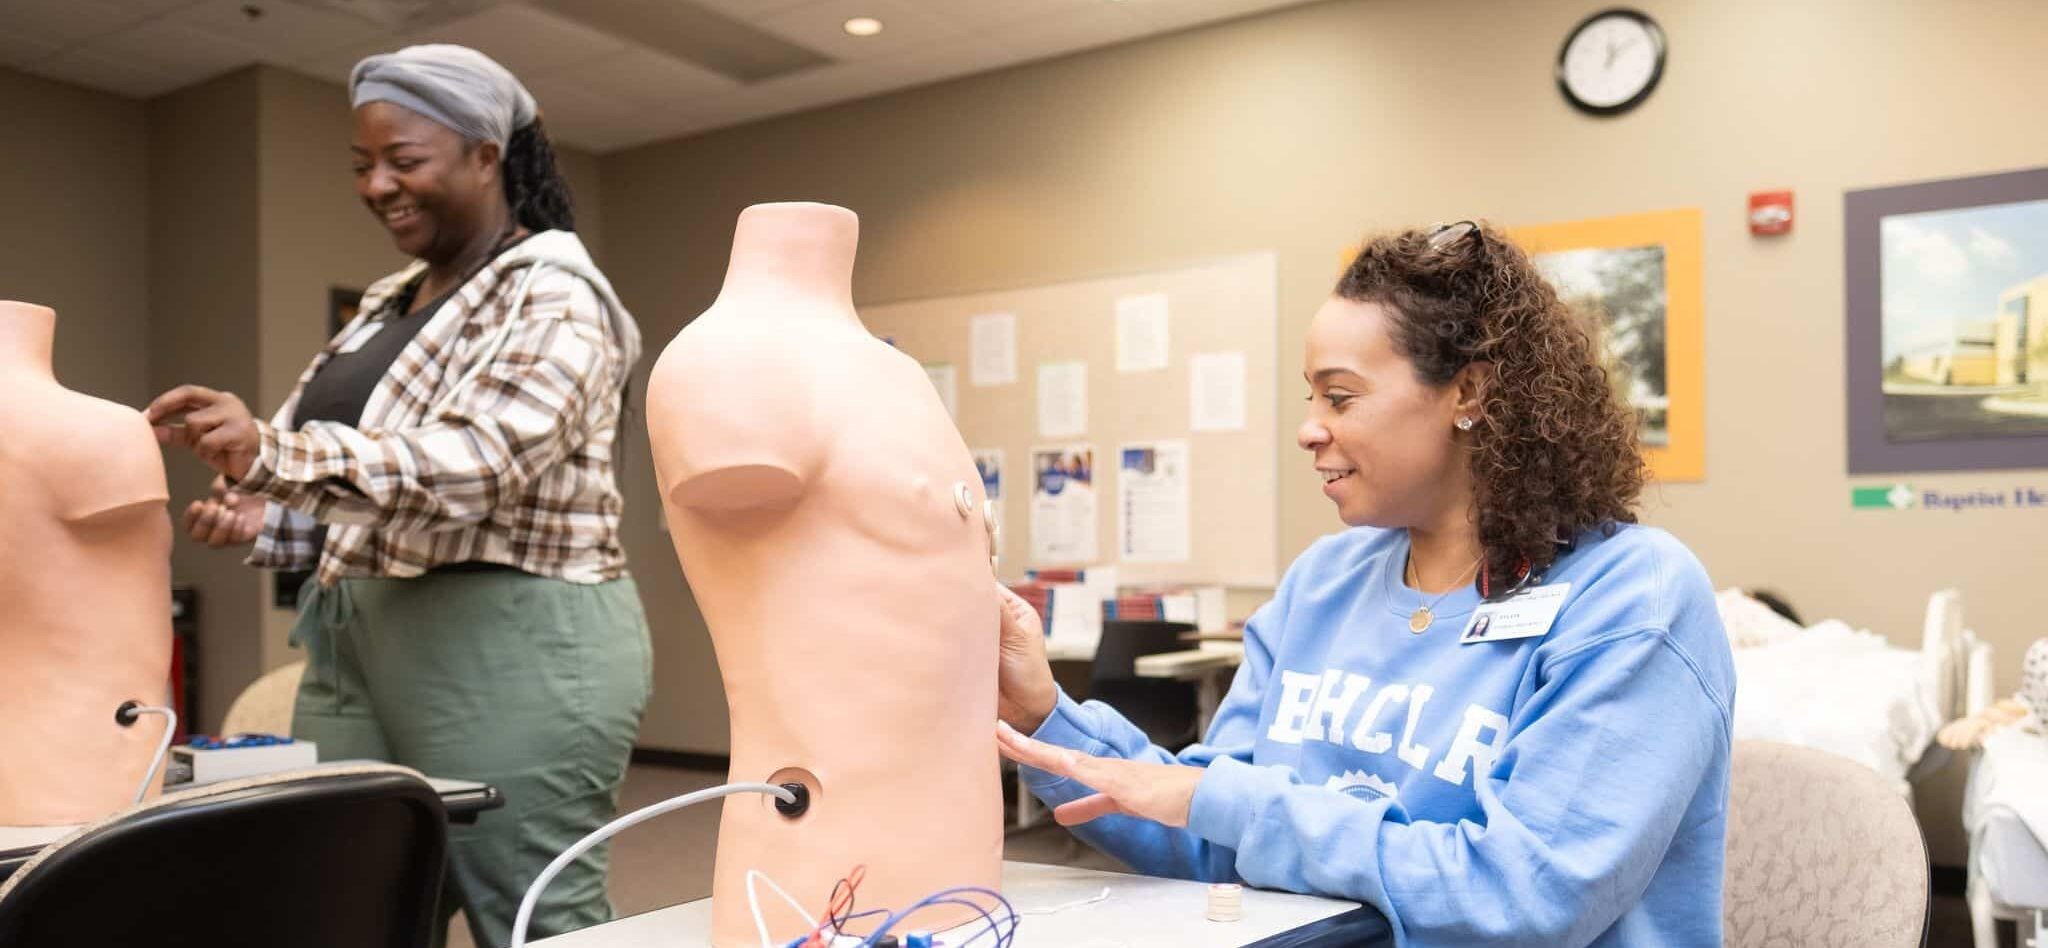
[668, 859]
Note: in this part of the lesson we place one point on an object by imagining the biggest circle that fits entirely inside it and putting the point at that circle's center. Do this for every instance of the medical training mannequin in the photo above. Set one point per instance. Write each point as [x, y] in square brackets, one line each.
[2028, 707]
[829, 520]
[85, 588]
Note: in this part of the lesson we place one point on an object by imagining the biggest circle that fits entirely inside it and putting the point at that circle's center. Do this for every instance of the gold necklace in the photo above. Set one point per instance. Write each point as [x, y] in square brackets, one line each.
[1419, 620]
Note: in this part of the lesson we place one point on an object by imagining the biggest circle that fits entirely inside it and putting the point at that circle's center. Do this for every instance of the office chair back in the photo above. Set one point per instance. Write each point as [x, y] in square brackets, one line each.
[1163, 708]
[329, 858]
[1821, 851]
[1124, 641]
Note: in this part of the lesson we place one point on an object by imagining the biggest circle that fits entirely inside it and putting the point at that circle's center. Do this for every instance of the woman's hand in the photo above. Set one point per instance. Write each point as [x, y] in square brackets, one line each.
[216, 426]
[225, 518]
[1025, 691]
[1162, 793]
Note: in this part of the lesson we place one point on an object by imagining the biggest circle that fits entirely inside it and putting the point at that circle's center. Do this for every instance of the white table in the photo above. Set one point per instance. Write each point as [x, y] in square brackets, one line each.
[1140, 911]
[2003, 815]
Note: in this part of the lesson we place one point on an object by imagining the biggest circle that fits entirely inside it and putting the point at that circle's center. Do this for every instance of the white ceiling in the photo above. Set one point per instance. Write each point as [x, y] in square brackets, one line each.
[598, 91]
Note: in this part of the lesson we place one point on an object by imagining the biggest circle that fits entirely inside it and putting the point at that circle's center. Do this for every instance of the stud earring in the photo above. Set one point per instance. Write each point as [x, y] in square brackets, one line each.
[1465, 424]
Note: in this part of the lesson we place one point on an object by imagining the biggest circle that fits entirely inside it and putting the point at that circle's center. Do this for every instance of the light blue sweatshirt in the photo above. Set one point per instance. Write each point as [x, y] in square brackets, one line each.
[1568, 788]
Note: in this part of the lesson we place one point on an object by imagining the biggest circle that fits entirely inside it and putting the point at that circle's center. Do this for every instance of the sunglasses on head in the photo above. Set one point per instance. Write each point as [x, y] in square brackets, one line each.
[1445, 235]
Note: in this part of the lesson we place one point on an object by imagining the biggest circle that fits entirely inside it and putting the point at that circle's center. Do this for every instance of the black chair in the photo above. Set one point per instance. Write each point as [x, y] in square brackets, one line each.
[332, 858]
[1162, 707]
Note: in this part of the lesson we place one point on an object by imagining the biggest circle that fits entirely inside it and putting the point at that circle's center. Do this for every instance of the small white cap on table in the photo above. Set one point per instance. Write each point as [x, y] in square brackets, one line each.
[1226, 902]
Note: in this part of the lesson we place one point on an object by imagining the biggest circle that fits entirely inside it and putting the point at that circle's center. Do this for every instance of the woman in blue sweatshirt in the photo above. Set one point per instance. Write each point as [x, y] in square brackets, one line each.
[1496, 709]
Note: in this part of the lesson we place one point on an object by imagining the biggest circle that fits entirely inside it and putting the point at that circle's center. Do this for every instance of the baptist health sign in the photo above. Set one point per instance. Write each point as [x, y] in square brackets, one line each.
[1904, 497]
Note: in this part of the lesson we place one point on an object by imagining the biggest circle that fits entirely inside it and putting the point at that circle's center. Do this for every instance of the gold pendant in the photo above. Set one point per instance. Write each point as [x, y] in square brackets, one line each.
[1419, 620]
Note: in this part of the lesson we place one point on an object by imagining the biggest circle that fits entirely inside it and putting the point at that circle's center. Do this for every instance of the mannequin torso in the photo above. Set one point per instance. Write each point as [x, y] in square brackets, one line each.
[85, 577]
[829, 520]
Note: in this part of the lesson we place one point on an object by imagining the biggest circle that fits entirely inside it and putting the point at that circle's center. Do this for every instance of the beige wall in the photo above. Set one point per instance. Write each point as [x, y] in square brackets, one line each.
[204, 256]
[75, 237]
[1299, 130]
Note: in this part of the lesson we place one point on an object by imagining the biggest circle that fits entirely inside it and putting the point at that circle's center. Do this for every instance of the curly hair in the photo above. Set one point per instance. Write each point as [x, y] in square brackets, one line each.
[1554, 452]
[534, 187]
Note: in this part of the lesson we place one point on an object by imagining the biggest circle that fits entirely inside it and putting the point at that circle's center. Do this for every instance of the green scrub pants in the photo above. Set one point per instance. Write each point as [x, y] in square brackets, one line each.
[531, 684]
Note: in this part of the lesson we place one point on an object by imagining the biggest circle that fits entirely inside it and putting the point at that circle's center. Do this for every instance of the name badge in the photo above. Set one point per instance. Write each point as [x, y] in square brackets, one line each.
[1526, 614]
[357, 339]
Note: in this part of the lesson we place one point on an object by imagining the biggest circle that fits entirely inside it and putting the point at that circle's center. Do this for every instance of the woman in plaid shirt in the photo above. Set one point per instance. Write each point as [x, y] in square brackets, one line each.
[445, 466]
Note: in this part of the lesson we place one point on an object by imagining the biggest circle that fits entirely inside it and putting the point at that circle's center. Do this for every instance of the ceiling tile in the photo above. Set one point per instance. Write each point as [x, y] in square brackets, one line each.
[642, 79]
[111, 74]
[573, 113]
[284, 32]
[837, 82]
[615, 135]
[749, 10]
[821, 27]
[185, 54]
[1057, 36]
[19, 51]
[1164, 15]
[527, 41]
[66, 22]
[974, 16]
[950, 59]
[744, 105]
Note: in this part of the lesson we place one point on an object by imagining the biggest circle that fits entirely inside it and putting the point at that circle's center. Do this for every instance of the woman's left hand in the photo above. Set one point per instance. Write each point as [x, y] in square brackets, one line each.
[1162, 793]
[217, 427]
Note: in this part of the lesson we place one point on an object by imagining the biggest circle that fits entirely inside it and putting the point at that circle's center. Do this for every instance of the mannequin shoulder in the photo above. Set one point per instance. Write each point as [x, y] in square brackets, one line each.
[96, 456]
[61, 422]
[725, 358]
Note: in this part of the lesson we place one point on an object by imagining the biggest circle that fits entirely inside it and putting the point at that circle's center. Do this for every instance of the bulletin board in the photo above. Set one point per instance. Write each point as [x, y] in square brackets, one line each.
[1177, 392]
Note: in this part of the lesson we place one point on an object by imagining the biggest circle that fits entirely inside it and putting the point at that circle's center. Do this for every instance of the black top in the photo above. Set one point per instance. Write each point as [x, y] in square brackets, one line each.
[341, 388]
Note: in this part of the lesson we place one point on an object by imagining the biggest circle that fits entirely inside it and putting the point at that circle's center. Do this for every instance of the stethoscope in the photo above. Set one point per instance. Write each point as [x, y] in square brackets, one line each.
[1524, 576]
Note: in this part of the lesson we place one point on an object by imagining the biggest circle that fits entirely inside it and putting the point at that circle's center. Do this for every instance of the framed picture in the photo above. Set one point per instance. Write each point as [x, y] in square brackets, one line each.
[341, 307]
[1947, 308]
[1641, 277]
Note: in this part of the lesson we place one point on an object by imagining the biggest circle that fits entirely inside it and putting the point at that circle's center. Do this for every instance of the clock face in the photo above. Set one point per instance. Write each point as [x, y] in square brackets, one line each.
[1611, 62]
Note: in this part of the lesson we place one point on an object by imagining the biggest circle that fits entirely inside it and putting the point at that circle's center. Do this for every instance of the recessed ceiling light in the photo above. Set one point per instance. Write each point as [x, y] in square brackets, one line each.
[863, 26]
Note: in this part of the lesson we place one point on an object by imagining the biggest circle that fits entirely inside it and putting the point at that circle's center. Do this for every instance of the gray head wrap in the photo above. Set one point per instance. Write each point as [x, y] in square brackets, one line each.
[454, 85]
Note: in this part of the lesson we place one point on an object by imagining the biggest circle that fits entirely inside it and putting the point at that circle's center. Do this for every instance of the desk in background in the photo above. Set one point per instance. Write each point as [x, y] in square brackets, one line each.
[1140, 911]
[1210, 665]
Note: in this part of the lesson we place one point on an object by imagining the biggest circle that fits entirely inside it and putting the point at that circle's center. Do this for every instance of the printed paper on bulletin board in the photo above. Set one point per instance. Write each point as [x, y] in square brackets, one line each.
[1227, 306]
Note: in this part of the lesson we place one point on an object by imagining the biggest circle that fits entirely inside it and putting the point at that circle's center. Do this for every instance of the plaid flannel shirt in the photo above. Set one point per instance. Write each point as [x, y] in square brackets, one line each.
[490, 439]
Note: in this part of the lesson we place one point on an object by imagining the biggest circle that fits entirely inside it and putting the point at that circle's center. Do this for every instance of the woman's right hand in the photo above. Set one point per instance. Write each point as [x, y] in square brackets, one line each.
[227, 517]
[1025, 691]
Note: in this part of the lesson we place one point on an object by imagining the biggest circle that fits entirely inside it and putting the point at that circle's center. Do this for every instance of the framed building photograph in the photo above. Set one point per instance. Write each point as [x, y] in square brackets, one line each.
[1947, 310]
[1640, 278]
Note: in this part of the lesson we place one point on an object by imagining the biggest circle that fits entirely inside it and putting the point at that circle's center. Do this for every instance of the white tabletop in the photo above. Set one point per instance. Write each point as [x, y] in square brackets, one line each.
[33, 837]
[1140, 910]
[2005, 812]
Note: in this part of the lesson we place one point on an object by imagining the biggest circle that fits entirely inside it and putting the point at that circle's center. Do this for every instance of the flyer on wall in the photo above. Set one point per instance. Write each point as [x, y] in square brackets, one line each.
[1152, 502]
[1063, 505]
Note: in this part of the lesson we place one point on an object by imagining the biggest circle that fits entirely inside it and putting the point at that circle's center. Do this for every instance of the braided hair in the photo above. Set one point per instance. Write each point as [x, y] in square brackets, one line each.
[534, 187]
